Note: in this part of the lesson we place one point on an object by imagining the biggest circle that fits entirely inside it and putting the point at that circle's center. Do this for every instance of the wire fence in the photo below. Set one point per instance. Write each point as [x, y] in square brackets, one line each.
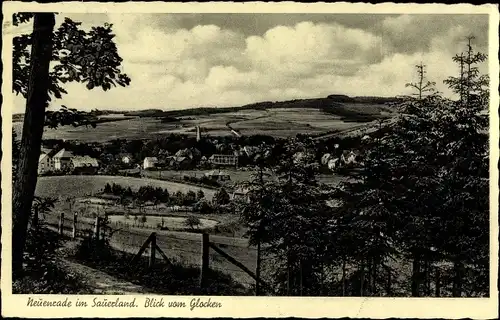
[184, 248]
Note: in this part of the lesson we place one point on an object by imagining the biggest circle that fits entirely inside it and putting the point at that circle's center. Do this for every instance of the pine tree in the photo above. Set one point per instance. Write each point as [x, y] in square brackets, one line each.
[464, 158]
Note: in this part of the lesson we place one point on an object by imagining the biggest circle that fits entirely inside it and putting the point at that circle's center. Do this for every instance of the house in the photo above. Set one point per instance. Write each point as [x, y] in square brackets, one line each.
[186, 153]
[241, 193]
[126, 159]
[84, 164]
[180, 163]
[150, 162]
[348, 157]
[218, 175]
[325, 158]
[62, 160]
[45, 163]
[333, 164]
[250, 150]
[224, 160]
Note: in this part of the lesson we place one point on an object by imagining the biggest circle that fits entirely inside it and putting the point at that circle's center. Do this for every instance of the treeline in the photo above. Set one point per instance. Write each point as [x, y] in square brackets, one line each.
[159, 195]
[154, 195]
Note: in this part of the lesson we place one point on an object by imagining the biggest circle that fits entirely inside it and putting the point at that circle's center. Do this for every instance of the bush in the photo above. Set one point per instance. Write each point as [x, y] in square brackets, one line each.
[42, 272]
[91, 249]
[192, 222]
[203, 207]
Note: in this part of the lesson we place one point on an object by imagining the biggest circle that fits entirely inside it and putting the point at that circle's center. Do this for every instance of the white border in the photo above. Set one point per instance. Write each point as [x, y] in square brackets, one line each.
[245, 307]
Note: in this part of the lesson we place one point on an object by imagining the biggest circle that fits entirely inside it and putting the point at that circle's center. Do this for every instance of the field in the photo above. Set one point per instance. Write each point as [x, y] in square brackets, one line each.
[80, 186]
[278, 122]
[172, 223]
[237, 176]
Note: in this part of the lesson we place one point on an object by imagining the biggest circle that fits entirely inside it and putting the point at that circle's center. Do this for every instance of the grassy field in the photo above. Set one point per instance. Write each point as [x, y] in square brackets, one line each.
[237, 176]
[80, 186]
[277, 122]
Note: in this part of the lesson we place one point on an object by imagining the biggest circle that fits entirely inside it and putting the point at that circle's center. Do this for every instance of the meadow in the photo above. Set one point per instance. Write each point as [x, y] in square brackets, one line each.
[81, 186]
[280, 122]
[237, 175]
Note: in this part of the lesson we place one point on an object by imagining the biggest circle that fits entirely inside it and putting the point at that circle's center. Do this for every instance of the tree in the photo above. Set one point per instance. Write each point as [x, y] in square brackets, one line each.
[422, 86]
[200, 195]
[221, 197]
[190, 198]
[107, 189]
[192, 222]
[90, 58]
[423, 192]
[144, 219]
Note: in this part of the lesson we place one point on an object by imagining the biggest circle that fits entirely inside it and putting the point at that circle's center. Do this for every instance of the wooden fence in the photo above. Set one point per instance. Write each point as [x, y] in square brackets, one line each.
[206, 245]
[81, 227]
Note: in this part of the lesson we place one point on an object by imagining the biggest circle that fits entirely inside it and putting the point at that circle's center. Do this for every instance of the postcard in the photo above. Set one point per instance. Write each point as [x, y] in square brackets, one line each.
[250, 160]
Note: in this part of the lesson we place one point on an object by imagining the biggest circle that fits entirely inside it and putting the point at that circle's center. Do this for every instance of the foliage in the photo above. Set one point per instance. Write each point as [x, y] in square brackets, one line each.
[43, 273]
[192, 222]
[421, 197]
[200, 195]
[221, 197]
[87, 57]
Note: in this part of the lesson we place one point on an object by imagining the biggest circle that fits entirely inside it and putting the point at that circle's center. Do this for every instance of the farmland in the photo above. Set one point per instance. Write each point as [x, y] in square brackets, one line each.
[80, 186]
[283, 119]
[237, 176]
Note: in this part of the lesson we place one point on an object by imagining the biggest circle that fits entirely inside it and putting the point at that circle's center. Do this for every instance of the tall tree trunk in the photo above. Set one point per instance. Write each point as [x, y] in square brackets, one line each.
[457, 279]
[257, 271]
[362, 278]
[343, 276]
[369, 288]
[415, 279]
[34, 118]
[427, 277]
[388, 287]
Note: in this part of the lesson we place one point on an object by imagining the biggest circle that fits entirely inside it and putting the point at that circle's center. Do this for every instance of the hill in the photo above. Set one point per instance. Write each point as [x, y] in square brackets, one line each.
[333, 104]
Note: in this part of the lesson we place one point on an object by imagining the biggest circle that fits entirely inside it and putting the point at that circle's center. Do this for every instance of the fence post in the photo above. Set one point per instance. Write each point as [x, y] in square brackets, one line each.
[204, 260]
[97, 227]
[74, 224]
[61, 223]
[152, 254]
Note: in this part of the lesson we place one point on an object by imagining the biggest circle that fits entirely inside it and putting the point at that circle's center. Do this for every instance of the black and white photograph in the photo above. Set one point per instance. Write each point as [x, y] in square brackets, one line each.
[264, 154]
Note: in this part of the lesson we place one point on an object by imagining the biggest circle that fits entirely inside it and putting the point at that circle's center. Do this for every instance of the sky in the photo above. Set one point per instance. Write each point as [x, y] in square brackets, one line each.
[178, 61]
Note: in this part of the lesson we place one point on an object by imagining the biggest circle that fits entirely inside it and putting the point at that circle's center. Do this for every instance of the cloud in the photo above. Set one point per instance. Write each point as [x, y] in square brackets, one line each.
[313, 47]
[189, 60]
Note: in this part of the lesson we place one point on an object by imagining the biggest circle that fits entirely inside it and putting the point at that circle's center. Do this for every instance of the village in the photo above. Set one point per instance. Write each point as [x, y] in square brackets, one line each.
[242, 158]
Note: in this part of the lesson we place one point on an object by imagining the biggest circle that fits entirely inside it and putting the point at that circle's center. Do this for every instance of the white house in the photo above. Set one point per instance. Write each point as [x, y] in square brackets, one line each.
[348, 157]
[127, 159]
[84, 164]
[45, 163]
[150, 162]
[333, 164]
[62, 159]
[325, 158]
[218, 175]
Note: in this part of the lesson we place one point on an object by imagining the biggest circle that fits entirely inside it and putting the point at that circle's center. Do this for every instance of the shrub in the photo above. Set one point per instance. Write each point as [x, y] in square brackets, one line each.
[192, 222]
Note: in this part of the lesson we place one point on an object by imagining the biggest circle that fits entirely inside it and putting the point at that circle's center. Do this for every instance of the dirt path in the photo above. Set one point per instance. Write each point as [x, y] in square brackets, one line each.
[101, 282]
[97, 281]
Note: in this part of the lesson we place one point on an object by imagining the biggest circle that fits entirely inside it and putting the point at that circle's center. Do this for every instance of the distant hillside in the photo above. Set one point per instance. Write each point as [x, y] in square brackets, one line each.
[333, 104]
[340, 105]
